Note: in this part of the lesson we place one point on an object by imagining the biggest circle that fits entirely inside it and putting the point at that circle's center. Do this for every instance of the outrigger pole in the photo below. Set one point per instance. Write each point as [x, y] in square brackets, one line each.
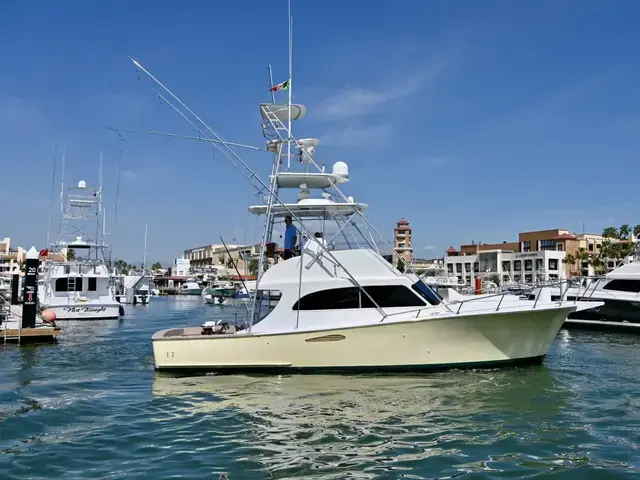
[251, 176]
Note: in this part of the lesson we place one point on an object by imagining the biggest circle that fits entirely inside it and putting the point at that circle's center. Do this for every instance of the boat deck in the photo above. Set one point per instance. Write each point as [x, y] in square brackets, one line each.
[190, 333]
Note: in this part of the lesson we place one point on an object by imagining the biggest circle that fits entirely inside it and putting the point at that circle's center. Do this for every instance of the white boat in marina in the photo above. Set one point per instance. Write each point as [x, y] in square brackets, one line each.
[348, 310]
[190, 287]
[612, 300]
[80, 287]
[134, 288]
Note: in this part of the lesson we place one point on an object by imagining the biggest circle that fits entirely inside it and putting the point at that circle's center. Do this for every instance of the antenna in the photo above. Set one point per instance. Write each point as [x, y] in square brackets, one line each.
[290, 21]
[273, 94]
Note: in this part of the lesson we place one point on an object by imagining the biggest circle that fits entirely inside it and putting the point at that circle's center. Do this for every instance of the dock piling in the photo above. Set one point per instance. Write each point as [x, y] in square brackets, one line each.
[30, 294]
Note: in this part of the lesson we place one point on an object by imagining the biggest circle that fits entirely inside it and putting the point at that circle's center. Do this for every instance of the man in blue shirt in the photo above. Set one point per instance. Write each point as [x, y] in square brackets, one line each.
[290, 237]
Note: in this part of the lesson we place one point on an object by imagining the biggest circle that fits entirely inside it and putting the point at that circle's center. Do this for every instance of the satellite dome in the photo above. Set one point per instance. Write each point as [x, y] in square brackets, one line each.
[341, 169]
[82, 184]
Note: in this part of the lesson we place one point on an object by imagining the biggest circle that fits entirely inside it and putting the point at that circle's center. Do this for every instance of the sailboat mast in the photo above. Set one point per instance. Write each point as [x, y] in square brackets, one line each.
[100, 187]
[100, 214]
[53, 183]
[62, 183]
[290, 21]
[144, 255]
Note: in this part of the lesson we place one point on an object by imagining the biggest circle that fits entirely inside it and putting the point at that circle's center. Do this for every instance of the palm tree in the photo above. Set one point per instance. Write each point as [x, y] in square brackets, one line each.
[625, 231]
[608, 249]
[636, 231]
[582, 257]
[625, 249]
[610, 232]
[570, 260]
[71, 254]
[597, 263]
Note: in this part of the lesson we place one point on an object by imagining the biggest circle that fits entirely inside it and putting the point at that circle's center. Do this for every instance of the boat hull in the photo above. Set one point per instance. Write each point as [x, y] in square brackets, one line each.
[89, 312]
[192, 291]
[221, 292]
[432, 343]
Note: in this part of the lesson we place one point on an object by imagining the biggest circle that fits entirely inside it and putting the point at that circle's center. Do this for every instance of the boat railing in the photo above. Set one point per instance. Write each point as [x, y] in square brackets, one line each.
[590, 285]
[501, 295]
[6, 314]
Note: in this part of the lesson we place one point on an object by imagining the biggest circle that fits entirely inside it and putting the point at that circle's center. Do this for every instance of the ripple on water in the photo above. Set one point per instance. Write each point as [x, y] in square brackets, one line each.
[94, 408]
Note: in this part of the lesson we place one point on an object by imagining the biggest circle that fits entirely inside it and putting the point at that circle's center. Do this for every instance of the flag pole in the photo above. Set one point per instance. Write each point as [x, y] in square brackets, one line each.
[273, 94]
[290, 86]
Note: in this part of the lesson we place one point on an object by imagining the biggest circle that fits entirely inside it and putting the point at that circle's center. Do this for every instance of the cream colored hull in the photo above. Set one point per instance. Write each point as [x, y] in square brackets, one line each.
[456, 341]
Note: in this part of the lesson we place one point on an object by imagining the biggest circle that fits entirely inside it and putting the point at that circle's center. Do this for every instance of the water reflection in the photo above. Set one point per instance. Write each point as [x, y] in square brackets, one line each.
[369, 423]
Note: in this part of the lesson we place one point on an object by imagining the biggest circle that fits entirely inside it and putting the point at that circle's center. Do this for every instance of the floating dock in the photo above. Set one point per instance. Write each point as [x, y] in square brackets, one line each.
[11, 330]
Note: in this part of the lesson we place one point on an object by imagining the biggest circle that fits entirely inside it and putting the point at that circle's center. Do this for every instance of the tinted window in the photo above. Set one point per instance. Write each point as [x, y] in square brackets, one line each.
[61, 285]
[92, 284]
[430, 295]
[623, 285]
[352, 297]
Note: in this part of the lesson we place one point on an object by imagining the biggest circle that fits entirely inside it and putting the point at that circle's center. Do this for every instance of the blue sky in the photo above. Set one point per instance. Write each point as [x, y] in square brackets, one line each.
[473, 120]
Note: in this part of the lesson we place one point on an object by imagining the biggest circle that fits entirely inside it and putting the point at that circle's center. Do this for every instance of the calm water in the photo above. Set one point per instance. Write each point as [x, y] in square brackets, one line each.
[93, 407]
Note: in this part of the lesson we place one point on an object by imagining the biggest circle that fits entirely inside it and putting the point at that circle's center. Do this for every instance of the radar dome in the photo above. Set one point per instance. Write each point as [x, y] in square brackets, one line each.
[82, 184]
[341, 169]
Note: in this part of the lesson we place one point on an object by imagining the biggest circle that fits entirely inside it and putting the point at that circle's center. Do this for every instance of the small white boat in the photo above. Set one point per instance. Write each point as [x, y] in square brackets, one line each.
[190, 288]
[134, 288]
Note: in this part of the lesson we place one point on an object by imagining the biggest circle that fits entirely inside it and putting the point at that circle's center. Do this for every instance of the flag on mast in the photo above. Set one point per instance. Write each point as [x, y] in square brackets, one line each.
[281, 86]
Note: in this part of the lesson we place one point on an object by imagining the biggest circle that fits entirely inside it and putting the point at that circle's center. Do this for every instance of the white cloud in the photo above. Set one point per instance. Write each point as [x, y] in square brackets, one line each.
[428, 247]
[357, 137]
[358, 101]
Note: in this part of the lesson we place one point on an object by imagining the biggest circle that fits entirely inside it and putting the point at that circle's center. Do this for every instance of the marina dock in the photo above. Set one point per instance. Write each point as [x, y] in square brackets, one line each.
[11, 330]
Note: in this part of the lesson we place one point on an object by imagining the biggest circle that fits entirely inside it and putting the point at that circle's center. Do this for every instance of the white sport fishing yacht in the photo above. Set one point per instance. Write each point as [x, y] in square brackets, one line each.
[345, 309]
[79, 288]
[612, 300]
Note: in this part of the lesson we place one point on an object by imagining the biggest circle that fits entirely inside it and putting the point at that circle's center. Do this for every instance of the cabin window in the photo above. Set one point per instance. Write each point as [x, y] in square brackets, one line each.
[61, 285]
[93, 284]
[429, 294]
[352, 297]
[623, 285]
[69, 284]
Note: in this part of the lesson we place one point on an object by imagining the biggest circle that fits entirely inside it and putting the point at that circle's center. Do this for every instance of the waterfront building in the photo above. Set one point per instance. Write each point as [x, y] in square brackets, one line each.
[555, 240]
[216, 256]
[506, 266]
[11, 258]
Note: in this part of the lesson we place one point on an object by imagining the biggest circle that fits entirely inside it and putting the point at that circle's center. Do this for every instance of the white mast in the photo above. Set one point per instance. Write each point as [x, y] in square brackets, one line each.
[100, 243]
[100, 187]
[53, 181]
[62, 183]
[144, 255]
[290, 21]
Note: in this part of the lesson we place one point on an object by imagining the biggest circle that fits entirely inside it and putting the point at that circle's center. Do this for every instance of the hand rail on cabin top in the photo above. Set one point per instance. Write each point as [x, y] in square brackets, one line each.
[502, 295]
